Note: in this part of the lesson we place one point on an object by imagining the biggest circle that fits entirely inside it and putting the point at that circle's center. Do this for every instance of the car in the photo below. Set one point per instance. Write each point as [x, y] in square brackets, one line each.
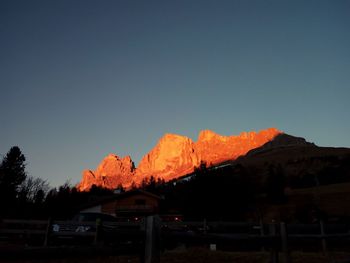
[83, 222]
[94, 217]
[83, 227]
[88, 227]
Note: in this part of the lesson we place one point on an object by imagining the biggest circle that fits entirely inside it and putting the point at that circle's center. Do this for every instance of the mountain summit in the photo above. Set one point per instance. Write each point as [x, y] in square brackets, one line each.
[174, 156]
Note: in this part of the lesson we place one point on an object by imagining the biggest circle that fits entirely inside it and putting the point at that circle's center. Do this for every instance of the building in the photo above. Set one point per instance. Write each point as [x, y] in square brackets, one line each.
[129, 205]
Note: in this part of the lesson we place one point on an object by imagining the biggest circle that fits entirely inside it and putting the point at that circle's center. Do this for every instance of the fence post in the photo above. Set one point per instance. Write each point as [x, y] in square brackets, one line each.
[273, 248]
[262, 232]
[152, 242]
[323, 238]
[284, 240]
[97, 232]
[48, 232]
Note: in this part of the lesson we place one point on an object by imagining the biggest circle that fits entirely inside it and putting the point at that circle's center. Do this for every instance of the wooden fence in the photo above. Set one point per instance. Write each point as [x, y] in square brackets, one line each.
[148, 237]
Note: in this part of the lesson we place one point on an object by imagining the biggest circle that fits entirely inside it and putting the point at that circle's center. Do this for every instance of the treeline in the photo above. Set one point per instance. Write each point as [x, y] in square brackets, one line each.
[226, 193]
[24, 196]
[229, 193]
[235, 193]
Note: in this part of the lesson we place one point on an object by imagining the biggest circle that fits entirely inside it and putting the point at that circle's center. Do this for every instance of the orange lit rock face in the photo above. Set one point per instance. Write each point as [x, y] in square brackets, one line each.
[174, 156]
[214, 148]
[111, 172]
[88, 180]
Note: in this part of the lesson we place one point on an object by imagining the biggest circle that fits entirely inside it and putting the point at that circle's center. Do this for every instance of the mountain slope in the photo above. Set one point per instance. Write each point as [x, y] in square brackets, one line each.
[174, 156]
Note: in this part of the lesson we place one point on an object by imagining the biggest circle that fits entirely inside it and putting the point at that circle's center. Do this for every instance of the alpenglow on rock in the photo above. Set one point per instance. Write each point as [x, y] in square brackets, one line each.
[214, 148]
[111, 172]
[174, 156]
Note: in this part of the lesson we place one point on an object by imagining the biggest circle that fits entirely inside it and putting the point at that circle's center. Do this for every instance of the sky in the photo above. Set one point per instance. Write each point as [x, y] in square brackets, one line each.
[81, 79]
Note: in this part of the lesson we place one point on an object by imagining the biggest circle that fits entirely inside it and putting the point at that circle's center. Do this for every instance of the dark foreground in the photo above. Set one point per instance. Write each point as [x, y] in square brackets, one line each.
[197, 255]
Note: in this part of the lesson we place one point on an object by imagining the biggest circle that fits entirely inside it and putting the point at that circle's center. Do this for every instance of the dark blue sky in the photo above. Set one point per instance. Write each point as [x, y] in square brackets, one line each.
[81, 79]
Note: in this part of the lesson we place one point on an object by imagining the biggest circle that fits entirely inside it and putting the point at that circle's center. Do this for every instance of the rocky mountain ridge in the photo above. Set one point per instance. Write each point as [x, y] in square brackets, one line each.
[175, 156]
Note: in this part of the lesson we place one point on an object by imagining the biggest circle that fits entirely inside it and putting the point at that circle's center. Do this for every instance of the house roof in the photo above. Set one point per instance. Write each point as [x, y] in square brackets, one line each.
[136, 191]
[119, 196]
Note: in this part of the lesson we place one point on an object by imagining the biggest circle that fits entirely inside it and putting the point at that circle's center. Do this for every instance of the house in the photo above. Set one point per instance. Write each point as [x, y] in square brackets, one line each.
[131, 204]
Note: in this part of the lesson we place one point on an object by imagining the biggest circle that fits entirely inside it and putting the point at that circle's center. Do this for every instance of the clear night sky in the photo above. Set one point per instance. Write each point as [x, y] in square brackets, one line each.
[81, 79]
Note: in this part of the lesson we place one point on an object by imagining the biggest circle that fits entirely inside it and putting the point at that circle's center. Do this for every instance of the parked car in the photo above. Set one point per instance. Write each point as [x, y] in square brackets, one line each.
[88, 227]
[83, 222]
[82, 228]
[92, 217]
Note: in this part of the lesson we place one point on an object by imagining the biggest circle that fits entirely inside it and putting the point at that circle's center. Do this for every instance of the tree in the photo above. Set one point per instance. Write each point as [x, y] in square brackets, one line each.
[133, 185]
[30, 187]
[12, 174]
[120, 189]
[12, 170]
[275, 184]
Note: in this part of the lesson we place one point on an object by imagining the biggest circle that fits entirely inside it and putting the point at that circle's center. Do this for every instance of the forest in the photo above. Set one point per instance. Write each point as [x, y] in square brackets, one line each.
[230, 193]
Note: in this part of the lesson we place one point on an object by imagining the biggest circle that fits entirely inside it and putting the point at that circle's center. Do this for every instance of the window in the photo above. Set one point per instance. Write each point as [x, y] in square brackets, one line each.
[140, 202]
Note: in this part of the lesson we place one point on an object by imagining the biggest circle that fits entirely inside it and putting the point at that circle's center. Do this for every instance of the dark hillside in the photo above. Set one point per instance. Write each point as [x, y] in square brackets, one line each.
[265, 182]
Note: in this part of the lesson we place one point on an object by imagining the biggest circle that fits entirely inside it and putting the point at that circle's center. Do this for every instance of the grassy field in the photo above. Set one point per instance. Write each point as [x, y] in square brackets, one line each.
[200, 255]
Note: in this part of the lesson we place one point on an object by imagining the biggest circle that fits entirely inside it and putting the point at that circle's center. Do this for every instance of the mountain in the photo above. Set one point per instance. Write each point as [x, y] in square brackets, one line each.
[111, 172]
[175, 156]
[281, 141]
[213, 148]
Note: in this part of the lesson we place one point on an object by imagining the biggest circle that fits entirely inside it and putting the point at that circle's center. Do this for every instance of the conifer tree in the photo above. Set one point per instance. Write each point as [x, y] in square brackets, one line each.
[12, 174]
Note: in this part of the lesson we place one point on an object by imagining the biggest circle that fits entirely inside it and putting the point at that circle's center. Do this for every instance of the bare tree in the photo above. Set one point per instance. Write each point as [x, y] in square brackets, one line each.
[32, 188]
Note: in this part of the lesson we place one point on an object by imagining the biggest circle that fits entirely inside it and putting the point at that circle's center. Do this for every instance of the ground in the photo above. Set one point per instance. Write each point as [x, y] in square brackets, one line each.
[200, 255]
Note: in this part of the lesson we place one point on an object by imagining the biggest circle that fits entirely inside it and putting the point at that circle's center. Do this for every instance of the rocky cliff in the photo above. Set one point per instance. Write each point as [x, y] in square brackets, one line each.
[213, 148]
[111, 172]
[174, 156]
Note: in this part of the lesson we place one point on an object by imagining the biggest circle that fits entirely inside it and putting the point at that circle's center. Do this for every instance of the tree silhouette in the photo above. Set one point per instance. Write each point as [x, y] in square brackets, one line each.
[30, 187]
[275, 184]
[12, 174]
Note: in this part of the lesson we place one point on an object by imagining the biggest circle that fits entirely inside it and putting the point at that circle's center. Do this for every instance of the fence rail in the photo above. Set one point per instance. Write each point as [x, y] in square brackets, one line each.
[147, 235]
